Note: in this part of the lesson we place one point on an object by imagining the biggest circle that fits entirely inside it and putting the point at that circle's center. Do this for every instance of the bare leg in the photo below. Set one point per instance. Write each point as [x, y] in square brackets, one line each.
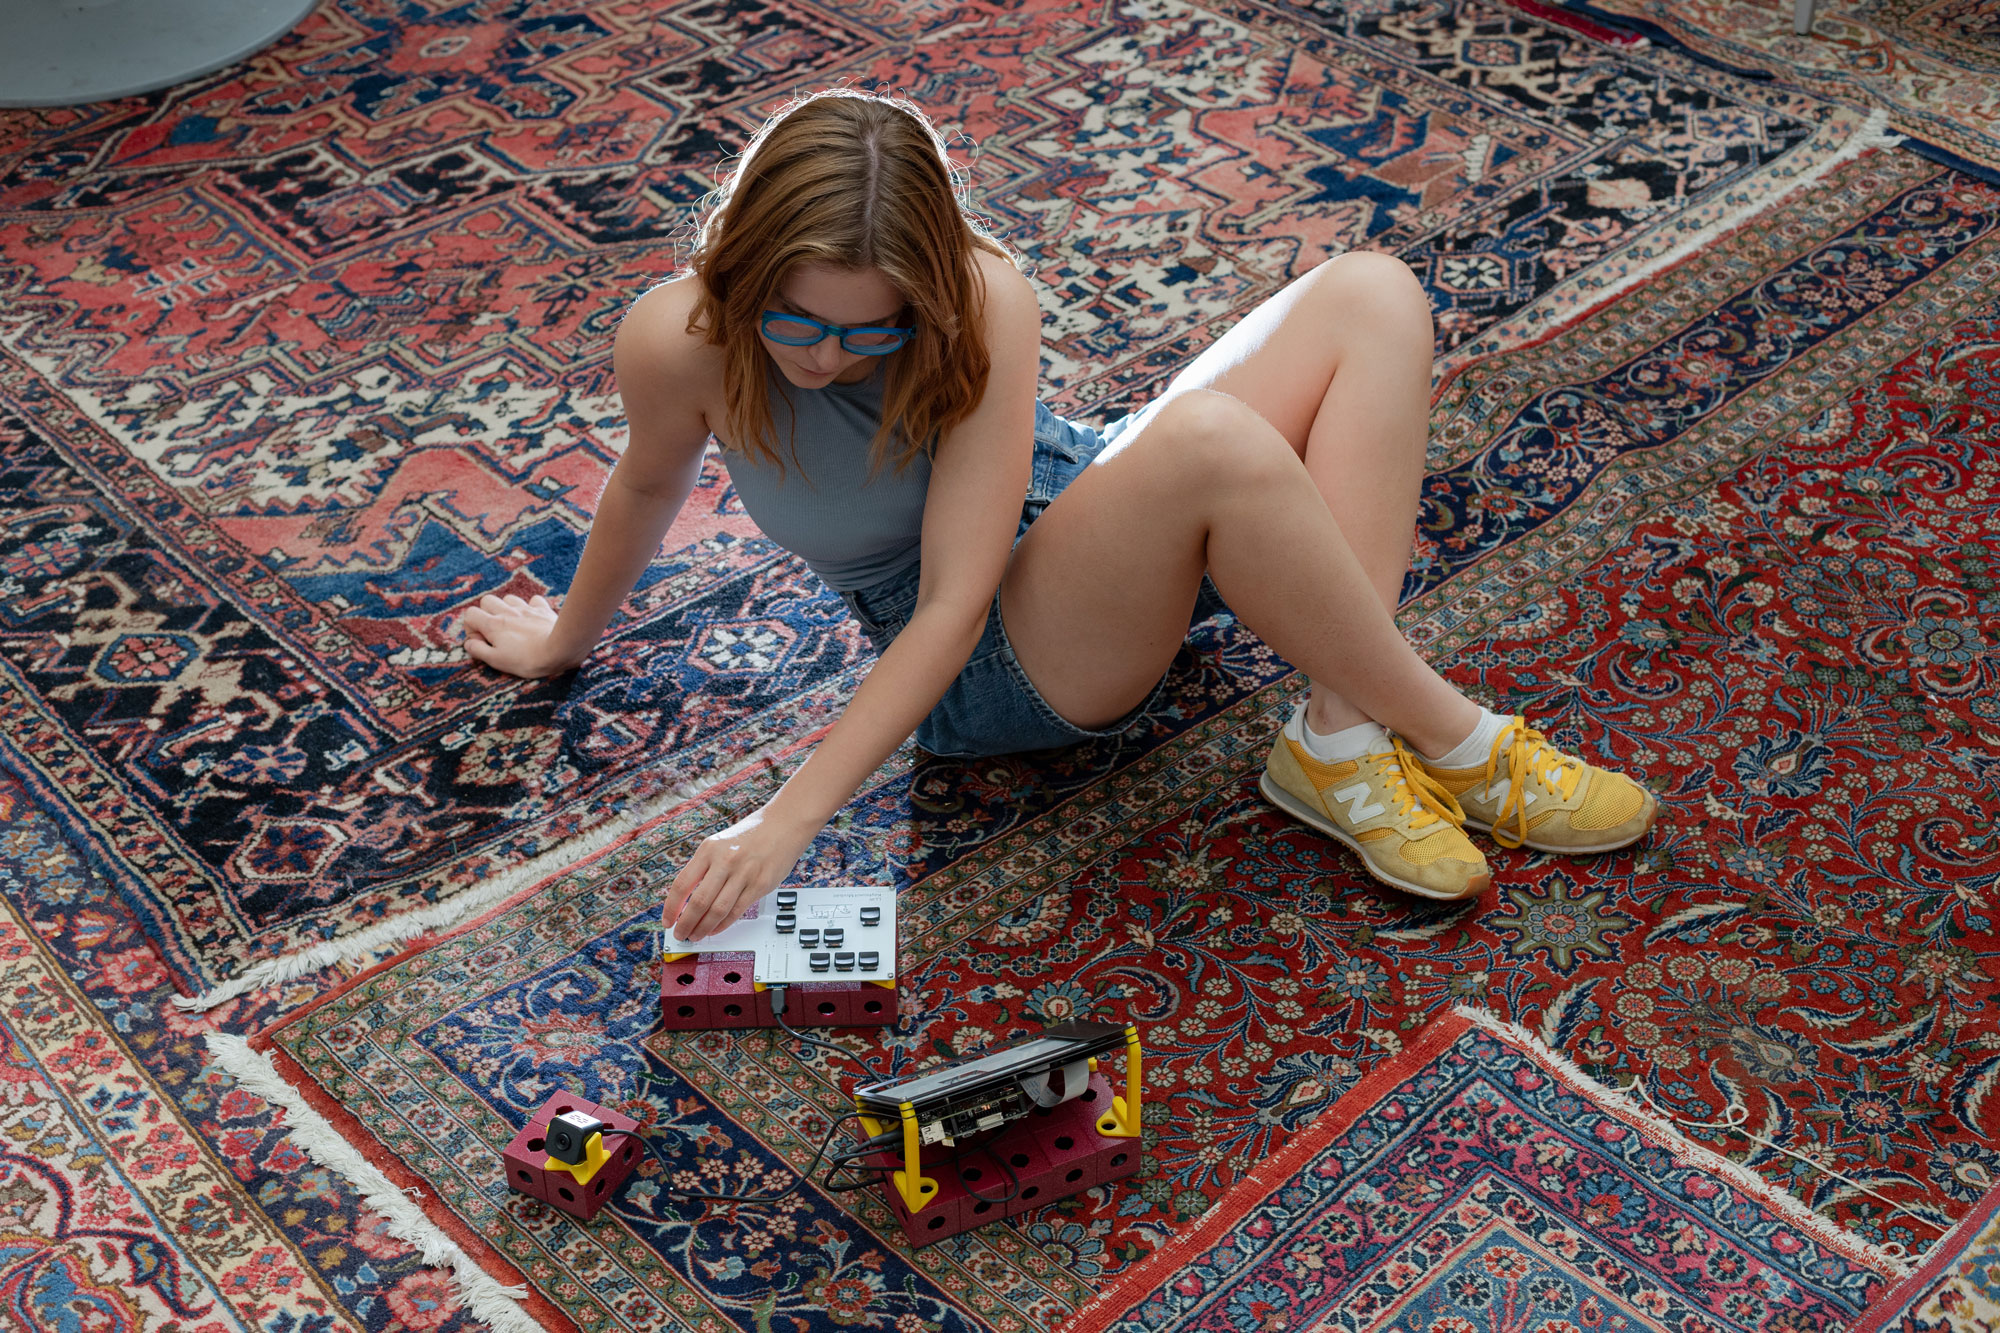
[1339, 362]
[1097, 596]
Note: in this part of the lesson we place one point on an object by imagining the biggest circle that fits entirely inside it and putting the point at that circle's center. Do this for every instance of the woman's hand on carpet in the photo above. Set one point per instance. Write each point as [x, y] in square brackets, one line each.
[511, 634]
[730, 871]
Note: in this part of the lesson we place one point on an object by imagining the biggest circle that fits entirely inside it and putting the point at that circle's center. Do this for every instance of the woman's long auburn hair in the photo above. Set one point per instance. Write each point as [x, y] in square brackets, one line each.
[850, 180]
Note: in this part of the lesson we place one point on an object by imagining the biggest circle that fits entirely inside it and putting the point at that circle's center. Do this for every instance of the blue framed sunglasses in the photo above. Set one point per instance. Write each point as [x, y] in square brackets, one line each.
[804, 331]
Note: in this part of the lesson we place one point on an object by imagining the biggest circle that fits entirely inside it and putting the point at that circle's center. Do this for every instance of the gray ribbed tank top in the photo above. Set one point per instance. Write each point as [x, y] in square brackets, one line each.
[853, 530]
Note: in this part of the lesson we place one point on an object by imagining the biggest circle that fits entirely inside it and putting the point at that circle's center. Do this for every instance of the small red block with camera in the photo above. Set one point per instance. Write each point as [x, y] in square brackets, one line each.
[572, 1155]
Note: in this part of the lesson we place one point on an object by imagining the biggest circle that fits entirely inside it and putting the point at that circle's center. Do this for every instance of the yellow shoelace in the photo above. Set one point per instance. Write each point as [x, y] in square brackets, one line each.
[1418, 795]
[1525, 748]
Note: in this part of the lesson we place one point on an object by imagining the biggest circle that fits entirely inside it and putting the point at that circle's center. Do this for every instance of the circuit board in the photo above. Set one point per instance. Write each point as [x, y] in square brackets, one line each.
[827, 932]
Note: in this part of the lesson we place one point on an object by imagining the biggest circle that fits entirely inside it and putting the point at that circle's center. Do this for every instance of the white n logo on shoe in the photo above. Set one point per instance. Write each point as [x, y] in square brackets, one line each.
[1496, 790]
[1355, 794]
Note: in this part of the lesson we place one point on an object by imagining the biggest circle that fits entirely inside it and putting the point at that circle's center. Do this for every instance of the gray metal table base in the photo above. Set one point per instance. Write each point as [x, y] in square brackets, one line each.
[66, 52]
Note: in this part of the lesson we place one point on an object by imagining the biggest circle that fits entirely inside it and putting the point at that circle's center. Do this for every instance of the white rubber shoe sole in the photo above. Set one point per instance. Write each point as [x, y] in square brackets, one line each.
[1292, 806]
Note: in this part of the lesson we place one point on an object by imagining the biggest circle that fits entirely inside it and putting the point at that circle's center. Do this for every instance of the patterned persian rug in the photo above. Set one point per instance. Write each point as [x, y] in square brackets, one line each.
[1478, 1184]
[1933, 65]
[136, 1191]
[299, 360]
[1731, 531]
[1958, 1288]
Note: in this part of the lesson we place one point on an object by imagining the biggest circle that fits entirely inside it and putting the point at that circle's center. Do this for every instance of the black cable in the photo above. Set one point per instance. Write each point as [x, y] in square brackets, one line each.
[845, 1161]
[777, 994]
[784, 1193]
[1013, 1181]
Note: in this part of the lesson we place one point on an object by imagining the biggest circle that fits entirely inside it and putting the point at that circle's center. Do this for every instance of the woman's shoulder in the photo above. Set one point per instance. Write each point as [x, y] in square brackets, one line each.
[1003, 279]
[654, 339]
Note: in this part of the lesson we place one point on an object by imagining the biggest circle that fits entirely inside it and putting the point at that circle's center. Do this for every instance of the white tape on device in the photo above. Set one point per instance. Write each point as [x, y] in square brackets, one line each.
[788, 930]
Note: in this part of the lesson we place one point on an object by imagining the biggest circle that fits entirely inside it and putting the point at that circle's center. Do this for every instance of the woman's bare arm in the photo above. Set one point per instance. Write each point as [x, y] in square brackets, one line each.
[655, 361]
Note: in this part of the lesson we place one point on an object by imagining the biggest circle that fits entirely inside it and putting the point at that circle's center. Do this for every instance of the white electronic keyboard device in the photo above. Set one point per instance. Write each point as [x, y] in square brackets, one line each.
[829, 932]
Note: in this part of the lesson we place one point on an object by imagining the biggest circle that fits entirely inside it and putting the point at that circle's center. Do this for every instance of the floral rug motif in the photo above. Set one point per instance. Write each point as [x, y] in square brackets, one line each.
[1805, 937]
[301, 358]
[1933, 65]
[1958, 1288]
[136, 1194]
[1477, 1184]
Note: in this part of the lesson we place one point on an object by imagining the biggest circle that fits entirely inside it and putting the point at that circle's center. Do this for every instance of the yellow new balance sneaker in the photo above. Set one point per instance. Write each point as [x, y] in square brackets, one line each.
[1530, 794]
[1403, 826]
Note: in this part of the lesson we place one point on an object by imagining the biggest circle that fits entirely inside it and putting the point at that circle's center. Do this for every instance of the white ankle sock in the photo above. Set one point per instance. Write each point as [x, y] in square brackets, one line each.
[1474, 748]
[1347, 743]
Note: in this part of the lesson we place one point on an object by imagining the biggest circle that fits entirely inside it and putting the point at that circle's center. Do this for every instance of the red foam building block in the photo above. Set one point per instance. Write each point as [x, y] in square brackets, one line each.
[1051, 1154]
[700, 994]
[524, 1158]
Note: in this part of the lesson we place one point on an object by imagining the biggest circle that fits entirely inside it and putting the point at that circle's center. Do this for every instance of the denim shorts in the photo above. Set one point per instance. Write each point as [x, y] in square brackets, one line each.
[992, 707]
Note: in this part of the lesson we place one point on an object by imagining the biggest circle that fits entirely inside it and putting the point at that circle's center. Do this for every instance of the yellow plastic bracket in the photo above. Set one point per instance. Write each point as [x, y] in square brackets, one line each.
[1122, 1122]
[676, 957]
[888, 983]
[594, 1157]
[918, 1197]
[916, 1188]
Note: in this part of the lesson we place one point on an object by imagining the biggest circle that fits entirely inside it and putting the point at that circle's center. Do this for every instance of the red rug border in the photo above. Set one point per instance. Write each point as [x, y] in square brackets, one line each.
[1945, 1254]
[264, 1039]
[476, 1247]
[344, 1123]
[1578, 23]
[349, 1127]
[1254, 1187]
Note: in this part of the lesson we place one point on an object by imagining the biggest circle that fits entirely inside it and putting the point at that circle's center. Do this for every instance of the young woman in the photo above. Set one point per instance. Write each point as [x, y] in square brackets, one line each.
[867, 358]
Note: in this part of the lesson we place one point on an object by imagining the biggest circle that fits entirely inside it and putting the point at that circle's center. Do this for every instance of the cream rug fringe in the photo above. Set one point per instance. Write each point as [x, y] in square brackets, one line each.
[1537, 320]
[1873, 133]
[483, 1297]
[363, 945]
[1669, 1136]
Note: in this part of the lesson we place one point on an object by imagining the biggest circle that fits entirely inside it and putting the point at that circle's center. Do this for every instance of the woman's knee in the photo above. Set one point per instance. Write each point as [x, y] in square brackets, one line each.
[1371, 294]
[1218, 440]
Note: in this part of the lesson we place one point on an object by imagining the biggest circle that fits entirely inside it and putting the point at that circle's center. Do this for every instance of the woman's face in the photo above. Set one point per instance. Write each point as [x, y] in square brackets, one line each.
[849, 297]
